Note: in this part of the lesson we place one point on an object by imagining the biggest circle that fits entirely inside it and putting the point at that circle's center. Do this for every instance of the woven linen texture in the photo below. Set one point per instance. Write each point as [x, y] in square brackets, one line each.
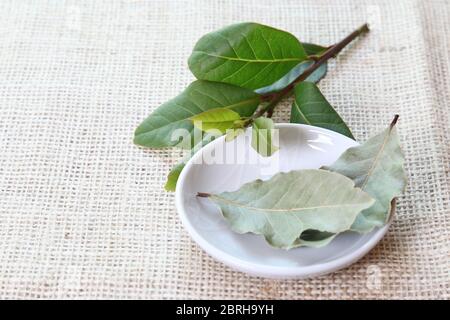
[83, 213]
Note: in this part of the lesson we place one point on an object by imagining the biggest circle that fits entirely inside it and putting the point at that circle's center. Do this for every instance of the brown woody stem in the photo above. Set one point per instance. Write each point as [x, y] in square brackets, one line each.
[394, 121]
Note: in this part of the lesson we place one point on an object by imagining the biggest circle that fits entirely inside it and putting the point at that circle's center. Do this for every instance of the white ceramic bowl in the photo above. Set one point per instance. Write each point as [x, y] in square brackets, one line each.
[301, 147]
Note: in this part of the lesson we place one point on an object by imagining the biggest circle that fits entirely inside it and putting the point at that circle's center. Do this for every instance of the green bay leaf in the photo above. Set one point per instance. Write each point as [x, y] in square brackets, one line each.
[233, 134]
[319, 73]
[216, 119]
[313, 49]
[315, 77]
[172, 177]
[156, 131]
[285, 206]
[377, 168]
[248, 55]
[310, 107]
[263, 131]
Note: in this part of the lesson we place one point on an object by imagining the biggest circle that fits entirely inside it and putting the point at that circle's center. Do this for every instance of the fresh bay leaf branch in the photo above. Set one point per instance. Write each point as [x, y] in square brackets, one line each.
[243, 71]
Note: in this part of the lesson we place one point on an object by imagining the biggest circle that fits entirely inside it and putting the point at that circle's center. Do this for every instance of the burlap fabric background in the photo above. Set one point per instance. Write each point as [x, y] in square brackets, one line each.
[82, 210]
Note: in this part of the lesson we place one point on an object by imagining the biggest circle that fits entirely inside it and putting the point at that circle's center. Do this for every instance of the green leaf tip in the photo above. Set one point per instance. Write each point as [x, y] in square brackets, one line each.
[263, 136]
[312, 108]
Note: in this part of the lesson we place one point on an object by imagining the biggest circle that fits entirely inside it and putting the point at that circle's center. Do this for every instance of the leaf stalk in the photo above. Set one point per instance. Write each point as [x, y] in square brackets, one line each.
[203, 194]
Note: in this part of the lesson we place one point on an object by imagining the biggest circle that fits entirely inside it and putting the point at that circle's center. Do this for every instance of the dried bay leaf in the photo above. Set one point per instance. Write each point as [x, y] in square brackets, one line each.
[376, 167]
[288, 204]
